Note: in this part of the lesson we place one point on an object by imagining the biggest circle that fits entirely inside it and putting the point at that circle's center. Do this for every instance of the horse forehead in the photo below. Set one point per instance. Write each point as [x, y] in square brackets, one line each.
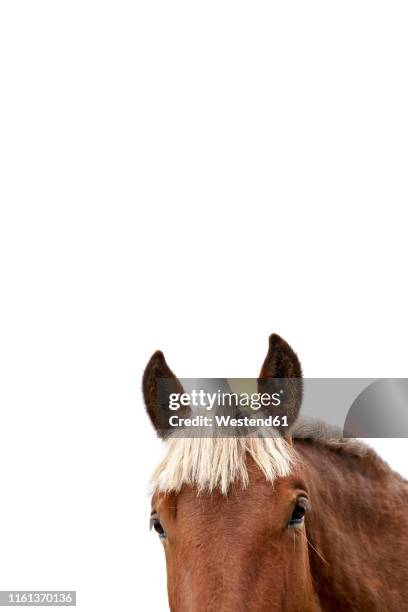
[162, 502]
[240, 501]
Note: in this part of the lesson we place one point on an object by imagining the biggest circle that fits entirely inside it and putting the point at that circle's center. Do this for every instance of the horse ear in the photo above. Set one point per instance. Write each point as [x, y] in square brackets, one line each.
[159, 383]
[281, 373]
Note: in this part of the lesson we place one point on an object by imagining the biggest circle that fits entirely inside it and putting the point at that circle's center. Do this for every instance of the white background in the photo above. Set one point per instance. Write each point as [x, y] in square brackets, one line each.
[191, 177]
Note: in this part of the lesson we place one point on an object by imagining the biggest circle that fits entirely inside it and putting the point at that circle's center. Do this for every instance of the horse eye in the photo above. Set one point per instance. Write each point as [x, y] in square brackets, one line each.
[157, 526]
[299, 512]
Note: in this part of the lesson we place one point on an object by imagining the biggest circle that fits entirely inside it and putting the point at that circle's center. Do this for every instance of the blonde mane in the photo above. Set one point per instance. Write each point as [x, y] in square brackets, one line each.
[211, 463]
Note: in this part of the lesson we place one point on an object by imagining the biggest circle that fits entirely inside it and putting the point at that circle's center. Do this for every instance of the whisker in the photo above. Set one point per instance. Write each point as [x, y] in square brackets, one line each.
[315, 549]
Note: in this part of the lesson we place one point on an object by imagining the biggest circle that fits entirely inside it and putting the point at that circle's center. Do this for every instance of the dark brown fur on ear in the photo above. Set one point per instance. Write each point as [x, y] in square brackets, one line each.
[281, 360]
[158, 383]
[281, 371]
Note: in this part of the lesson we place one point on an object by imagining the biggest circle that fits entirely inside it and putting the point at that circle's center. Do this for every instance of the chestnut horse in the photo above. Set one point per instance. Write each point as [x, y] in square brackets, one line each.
[294, 524]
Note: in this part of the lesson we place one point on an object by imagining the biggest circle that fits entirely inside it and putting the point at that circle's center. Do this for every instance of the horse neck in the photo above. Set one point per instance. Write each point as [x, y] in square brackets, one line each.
[357, 529]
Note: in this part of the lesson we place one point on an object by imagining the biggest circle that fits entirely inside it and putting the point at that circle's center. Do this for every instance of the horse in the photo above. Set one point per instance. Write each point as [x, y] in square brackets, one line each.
[299, 522]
